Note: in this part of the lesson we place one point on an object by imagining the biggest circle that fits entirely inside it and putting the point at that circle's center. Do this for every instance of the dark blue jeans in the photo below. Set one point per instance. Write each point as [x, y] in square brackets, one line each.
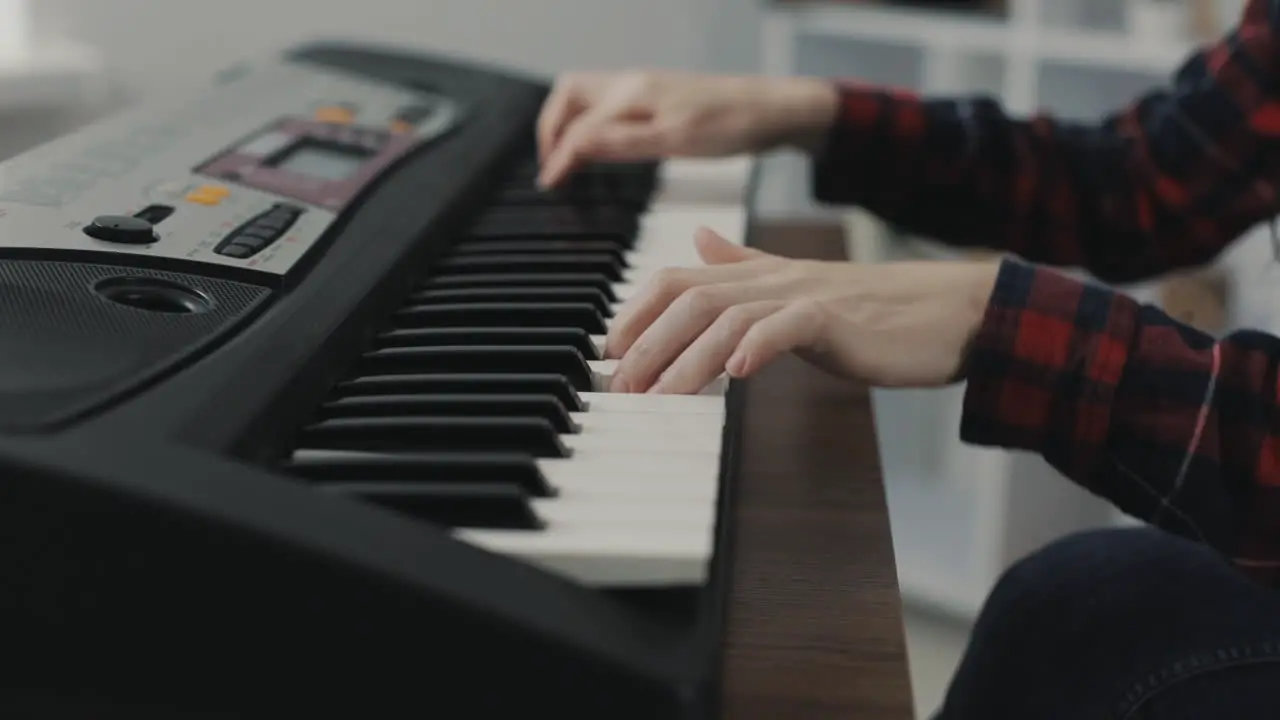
[1129, 624]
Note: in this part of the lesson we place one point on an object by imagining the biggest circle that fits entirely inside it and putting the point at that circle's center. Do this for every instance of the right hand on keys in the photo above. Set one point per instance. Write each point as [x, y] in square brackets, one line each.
[636, 116]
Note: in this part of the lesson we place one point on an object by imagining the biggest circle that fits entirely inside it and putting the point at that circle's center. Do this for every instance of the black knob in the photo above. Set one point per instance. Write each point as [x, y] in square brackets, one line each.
[121, 229]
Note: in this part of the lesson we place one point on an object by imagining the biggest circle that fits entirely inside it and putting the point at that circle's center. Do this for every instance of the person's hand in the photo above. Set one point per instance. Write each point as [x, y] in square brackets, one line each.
[634, 116]
[894, 324]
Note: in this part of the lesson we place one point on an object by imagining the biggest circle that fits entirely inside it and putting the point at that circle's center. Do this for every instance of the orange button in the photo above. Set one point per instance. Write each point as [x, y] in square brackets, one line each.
[400, 127]
[335, 114]
[208, 195]
[200, 198]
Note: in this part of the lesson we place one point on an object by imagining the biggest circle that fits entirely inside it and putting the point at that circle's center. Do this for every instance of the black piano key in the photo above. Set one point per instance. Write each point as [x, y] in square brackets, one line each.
[496, 506]
[552, 222]
[596, 263]
[563, 361]
[544, 407]
[466, 384]
[445, 296]
[533, 436]
[350, 467]
[498, 314]
[596, 281]
[525, 194]
[575, 338]
[537, 246]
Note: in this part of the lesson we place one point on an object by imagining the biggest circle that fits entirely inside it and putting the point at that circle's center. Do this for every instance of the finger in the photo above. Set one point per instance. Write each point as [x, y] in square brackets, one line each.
[706, 356]
[714, 249]
[574, 147]
[563, 104]
[633, 141]
[674, 330]
[658, 293]
[801, 324]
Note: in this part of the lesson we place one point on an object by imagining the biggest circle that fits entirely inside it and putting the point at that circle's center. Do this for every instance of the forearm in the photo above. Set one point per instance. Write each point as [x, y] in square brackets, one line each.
[1170, 425]
[1165, 183]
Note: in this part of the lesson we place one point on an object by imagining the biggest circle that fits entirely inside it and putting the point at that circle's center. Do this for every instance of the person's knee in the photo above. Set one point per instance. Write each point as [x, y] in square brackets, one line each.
[1090, 578]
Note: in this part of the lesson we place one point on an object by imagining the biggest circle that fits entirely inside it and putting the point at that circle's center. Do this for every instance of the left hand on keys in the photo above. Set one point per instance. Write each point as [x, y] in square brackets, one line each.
[894, 324]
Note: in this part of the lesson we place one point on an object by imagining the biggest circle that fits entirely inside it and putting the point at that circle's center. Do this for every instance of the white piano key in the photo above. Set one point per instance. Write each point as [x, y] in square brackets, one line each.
[621, 474]
[706, 428]
[663, 233]
[645, 404]
[604, 370]
[598, 555]
[704, 180]
[657, 435]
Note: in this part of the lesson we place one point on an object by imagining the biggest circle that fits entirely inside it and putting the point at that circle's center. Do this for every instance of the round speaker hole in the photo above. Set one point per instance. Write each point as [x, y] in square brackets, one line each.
[153, 295]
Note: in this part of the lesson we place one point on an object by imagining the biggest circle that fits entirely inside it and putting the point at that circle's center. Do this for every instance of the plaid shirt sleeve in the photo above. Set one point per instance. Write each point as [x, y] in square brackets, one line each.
[1173, 426]
[1165, 183]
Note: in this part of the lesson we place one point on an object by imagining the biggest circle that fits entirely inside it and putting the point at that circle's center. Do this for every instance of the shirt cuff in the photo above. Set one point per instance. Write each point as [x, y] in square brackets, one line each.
[1045, 365]
[839, 172]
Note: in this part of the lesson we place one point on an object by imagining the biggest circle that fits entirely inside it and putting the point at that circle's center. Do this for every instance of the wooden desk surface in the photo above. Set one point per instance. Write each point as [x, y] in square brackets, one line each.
[815, 629]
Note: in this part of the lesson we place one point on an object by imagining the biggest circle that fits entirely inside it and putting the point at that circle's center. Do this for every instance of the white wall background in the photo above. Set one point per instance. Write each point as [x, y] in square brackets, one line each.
[157, 46]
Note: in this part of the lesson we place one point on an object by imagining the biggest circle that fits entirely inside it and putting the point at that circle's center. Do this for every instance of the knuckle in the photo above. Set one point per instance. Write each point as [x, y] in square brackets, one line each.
[700, 301]
[737, 319]
[810, 311]
[668, 282]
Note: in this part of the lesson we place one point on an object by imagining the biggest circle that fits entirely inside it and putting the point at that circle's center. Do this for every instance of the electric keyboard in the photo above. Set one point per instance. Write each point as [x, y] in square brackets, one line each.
[305, 410]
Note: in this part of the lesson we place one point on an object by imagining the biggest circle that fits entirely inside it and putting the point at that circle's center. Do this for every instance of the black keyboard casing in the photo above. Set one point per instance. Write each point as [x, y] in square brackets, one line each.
[153, 565]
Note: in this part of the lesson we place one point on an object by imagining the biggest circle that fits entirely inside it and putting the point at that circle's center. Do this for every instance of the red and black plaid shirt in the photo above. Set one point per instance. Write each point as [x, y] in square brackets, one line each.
[1174, 426]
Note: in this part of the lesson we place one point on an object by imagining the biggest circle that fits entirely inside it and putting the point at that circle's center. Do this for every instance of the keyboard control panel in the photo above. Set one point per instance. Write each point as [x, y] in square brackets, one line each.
[210, 181]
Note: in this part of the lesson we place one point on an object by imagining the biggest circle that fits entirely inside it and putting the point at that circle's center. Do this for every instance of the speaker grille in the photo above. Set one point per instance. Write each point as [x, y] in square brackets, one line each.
[74, 335]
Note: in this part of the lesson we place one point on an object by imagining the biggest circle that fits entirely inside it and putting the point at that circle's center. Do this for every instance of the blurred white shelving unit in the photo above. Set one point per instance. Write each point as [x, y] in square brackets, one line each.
[38, 72]
[961, 514]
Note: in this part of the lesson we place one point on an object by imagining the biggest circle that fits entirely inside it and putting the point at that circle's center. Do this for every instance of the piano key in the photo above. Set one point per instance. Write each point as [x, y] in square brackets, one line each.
[563, 361]
[590, 346]
[723, 181]
[642, 403]
[505, 507]
[601, 475]
[614, 555]
[598, 263]
[503, 314]
[454, 467]
[515, 294]
[500, 506]
[545, 407]
[511, 416]
[619, 519]
[596, 281]
[542, 245]
[553, 222]
[522, 194]
[437, 434]
[602, 372]
[465, 383]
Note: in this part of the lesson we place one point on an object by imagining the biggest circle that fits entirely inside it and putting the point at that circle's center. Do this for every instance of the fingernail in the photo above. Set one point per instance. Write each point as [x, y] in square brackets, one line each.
[620, 385]
[737, 365]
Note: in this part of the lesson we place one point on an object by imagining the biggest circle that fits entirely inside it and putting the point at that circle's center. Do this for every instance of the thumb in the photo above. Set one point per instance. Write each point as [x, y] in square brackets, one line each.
[714, 249]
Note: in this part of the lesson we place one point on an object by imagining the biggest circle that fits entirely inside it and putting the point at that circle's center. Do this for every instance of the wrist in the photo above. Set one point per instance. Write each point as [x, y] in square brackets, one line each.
[798, 112]
[976, 304]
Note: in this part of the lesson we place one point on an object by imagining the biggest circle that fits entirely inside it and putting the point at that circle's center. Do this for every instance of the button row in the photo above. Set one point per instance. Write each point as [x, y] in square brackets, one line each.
[260, 232]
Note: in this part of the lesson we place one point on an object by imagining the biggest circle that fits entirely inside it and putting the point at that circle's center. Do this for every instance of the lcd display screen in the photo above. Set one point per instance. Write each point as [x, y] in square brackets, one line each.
[323, 161]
